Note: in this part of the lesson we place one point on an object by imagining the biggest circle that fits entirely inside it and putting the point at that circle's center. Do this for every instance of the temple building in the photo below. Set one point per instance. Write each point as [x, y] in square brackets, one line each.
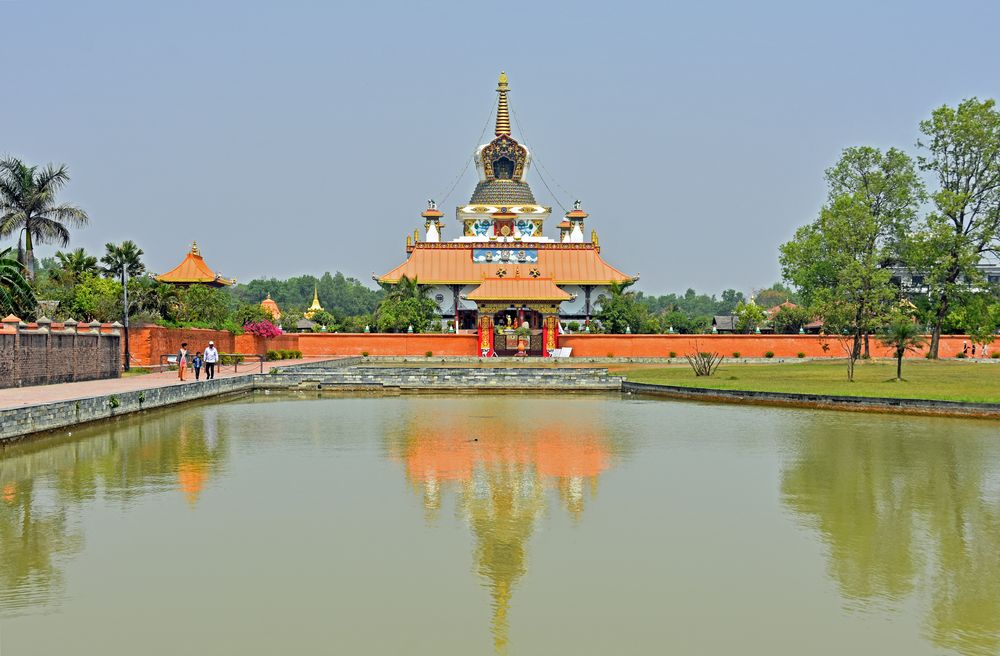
[501, 271]
[271, 307]
[193, 271]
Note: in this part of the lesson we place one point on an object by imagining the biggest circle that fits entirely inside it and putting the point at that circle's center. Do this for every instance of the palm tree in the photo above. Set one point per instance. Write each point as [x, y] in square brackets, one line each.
[28, 204]
[16, 296]
[902, 335]
[77, 262]
[124, 255]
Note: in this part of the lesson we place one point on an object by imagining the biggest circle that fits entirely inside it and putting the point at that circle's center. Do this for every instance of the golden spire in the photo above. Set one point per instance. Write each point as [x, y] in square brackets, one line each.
[503, 113]
[315, 307]
[194, 248]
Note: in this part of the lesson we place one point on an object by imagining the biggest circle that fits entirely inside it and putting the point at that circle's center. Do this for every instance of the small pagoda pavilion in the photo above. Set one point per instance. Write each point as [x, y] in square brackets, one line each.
[502, 272]
[193, 271]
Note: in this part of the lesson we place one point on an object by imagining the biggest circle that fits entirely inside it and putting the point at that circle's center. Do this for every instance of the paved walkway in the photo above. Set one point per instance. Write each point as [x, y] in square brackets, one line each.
[21, 396]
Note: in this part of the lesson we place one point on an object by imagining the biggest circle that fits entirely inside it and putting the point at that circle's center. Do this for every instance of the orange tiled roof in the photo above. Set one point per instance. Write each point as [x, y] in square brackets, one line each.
[269, 306]
[522, 289]
[451, 263]
[194, 270]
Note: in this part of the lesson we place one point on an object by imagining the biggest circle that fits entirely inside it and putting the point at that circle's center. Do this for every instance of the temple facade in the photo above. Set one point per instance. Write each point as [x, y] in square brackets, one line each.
[501, 272]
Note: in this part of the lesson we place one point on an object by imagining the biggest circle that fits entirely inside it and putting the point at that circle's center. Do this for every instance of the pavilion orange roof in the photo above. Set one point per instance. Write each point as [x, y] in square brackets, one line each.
[193, 270]
[451, 263]
[271, 307]
[522, 289]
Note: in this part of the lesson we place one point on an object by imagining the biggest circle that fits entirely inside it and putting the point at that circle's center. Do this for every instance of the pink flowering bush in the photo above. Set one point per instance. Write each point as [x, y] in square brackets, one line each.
[262, 328]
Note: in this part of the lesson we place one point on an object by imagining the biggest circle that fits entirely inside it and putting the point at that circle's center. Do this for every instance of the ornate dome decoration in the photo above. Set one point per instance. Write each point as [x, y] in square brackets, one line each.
[503, 162]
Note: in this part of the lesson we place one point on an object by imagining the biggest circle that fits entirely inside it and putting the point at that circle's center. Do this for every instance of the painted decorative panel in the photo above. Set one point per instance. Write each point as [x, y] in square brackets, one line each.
[516, 255]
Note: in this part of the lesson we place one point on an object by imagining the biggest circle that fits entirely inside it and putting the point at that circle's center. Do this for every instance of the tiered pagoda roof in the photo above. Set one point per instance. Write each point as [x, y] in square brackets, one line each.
[451, 263]
[193, 271]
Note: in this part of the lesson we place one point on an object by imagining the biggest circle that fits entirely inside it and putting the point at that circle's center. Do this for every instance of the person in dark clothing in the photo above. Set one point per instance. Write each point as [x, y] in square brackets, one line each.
[196, 363]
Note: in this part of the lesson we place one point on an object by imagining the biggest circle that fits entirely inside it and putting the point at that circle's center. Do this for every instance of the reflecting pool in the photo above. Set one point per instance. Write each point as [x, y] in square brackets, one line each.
[514, 524]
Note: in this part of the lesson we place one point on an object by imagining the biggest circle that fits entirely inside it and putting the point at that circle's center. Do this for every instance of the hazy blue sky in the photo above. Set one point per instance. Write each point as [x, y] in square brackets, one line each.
[299, 137]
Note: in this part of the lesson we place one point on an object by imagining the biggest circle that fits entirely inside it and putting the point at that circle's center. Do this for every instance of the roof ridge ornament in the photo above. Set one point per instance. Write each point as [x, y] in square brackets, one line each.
[503, 111]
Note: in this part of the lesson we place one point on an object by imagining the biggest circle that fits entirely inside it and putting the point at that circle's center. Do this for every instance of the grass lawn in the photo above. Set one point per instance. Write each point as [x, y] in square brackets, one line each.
[945, 381]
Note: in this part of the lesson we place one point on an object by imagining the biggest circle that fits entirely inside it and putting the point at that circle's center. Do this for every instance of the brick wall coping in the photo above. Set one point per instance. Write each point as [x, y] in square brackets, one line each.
[855, 403]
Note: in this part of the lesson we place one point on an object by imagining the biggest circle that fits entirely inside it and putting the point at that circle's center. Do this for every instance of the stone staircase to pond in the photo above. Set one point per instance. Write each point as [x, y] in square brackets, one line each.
[442, 378]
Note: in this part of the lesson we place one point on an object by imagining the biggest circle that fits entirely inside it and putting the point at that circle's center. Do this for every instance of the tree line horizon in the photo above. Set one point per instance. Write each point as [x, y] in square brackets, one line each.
[936, 213]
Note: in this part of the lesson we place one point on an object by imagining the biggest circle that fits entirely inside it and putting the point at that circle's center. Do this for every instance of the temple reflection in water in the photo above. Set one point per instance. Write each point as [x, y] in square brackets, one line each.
[500, 476]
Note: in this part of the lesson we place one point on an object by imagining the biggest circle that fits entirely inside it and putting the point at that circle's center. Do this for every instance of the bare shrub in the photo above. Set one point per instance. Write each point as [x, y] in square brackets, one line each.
[704, 364]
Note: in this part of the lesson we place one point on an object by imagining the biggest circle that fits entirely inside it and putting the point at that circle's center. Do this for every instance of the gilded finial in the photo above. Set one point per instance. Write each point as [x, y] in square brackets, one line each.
[409, 241]
[503, 112]
[194, 248]
[593, 237]
[416, 236]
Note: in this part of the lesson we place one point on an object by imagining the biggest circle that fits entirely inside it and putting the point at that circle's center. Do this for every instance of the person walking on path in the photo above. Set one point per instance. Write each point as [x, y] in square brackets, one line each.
[182, 360]
[196, 364]
[973, 349]
[211, 357]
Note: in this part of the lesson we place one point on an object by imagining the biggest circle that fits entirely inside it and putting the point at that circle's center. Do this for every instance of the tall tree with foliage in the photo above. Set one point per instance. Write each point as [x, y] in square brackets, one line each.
[622, 311]
[840, 262]
[962, 149]
[406, 303]
[76, 262]
[749, 316]
[16, 296]
[124, 256]
[28, 204]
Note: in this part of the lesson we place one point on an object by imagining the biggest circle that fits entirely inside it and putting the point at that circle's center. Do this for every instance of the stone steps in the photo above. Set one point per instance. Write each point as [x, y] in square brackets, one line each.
[523, 378]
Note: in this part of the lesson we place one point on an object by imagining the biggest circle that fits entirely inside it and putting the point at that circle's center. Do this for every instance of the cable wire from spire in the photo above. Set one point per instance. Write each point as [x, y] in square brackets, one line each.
[465, 168]
[535, 157]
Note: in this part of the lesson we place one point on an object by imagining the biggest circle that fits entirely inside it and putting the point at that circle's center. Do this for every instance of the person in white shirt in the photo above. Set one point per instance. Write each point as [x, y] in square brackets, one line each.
[211, 356]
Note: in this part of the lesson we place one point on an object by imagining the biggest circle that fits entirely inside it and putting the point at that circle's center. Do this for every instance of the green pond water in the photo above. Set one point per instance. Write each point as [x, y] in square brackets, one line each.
[512, 524]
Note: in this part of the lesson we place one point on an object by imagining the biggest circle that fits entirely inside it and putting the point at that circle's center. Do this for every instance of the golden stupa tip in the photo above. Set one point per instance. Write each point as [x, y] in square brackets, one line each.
[503, 78]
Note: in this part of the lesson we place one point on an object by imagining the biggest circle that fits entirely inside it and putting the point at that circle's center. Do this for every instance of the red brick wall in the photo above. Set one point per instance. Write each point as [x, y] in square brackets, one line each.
[748, 346]
[148, 343]
[314, 344]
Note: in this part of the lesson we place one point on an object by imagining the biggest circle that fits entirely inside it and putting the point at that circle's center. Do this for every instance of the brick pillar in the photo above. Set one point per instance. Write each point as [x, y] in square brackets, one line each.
[11, 326]
[71, 325]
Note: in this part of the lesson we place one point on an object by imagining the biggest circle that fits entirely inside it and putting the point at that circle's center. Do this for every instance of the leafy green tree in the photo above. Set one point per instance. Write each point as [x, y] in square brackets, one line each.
[97, 299]
[774, 295]
[790, 320]
[978, 316]
[201, 304]
[76, 262]
[749, 316]
[902, 334]
[326, 320]
[962, 146]
[250, 313]
[16, 296]
[27, 203]
[407, 303]
[125, 255]
[840, 262]
[621, 311]
[337, 293]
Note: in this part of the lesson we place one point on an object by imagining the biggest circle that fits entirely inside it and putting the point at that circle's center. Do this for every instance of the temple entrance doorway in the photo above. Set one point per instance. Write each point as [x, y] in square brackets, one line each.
[507, 321]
